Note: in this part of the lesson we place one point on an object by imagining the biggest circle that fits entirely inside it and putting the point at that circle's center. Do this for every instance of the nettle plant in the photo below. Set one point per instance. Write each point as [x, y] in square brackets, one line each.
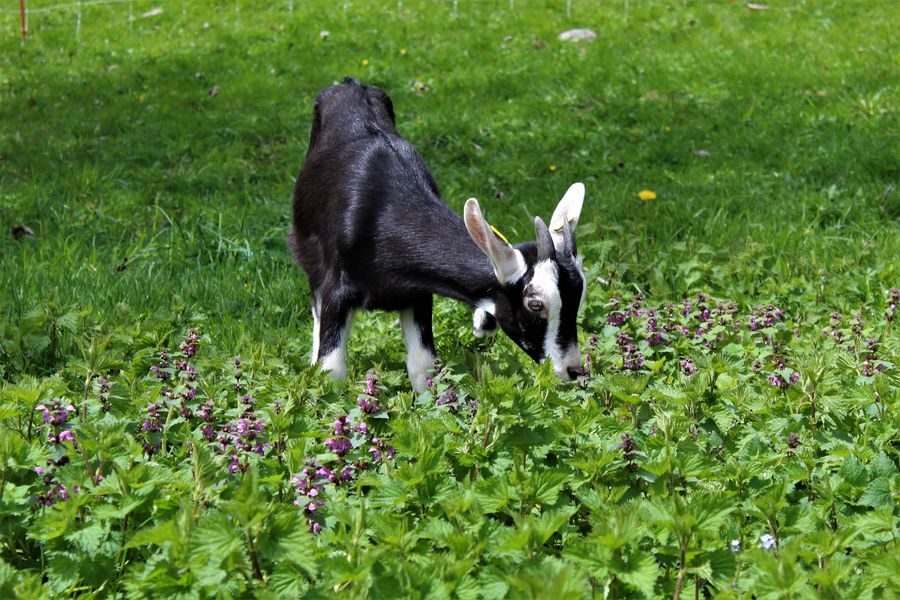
[707, 447]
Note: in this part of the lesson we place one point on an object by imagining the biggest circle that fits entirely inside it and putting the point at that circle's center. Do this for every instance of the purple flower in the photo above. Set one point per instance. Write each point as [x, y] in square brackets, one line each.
[235, 464]
[378, 448]
[66, 436]
[616, 319]
[206, 412]
[58, 493]
[687, 366]
[776, 381]
[338, 445]
[448, 397]
[584, 373]
[325, 473]
[371, 383]
[766, 541]
[56, 414]
[735, 545]
[368, 405]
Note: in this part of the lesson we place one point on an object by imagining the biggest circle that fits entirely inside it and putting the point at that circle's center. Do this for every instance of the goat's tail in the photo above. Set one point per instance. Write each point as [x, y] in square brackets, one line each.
[380, 119]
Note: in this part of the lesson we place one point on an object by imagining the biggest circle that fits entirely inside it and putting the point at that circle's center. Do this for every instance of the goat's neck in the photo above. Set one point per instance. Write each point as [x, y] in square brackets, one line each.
[458, 269]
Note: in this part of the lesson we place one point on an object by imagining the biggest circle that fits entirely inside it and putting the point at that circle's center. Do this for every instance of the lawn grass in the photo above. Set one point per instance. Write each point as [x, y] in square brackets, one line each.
[154, 157]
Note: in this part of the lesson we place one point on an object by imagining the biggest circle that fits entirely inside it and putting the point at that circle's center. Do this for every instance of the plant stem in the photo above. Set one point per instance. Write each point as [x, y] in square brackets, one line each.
[682, 569]
[254, 559]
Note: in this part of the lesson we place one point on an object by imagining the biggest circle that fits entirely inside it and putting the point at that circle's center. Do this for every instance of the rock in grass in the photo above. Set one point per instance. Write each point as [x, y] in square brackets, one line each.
[578, 35]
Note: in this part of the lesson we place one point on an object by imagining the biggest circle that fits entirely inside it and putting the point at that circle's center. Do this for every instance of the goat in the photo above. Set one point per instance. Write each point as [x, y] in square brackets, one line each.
[371, 231]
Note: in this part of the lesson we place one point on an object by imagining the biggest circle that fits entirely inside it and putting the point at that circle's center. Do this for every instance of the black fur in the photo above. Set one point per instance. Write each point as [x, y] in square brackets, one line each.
[371, 231]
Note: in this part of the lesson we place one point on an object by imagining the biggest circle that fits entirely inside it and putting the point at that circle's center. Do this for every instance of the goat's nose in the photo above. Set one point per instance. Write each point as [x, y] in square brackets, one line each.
[573, 372]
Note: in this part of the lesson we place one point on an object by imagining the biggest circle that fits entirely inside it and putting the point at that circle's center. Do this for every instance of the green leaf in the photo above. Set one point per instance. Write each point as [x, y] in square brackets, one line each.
[883, 571]
[8, 579]
[216, 537]
[247, 507]
[288, 581]
[546, 486]
[638, 569]
[521, 436]
[492, 583]
[723, 565]
[853, 472]
[89, 538]
[882, 466]
[287, 538]
[62, 571]
[494, 494]
[158, 535]
[549, 523]
[878, 493]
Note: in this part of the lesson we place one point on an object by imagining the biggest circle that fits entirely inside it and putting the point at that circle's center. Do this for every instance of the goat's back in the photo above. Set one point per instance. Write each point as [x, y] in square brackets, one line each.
[364, 199]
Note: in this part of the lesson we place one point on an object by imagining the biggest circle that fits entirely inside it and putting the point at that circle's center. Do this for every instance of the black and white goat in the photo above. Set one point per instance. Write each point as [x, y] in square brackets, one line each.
[371, 231]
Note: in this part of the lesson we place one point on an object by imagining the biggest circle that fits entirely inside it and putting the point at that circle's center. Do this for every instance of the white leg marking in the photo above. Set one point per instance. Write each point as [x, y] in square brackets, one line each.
[419, 359]
[482, 309]
[317, 306]
[335, 360]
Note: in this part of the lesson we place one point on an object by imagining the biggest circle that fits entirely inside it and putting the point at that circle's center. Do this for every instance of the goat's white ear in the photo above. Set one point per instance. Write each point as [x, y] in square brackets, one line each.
[568, 209]
[508, 263]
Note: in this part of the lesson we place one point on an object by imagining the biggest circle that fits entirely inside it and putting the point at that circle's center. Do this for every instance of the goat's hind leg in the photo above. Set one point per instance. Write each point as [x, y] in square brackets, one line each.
[332, 320]
[416, 324]
[316, 333]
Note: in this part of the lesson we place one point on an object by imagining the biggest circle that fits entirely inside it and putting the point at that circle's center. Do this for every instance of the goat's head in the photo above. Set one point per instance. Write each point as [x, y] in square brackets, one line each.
[542, 284]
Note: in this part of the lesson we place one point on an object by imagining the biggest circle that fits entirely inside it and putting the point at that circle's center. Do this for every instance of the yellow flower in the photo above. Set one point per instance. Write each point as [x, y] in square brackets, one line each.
[552, 168]
[402, 51]
[647, 195]
[365, 62]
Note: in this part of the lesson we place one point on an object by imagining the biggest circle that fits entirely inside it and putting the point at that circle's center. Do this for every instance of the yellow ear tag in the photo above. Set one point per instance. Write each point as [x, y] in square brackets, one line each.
[498, 234]
[559, 227]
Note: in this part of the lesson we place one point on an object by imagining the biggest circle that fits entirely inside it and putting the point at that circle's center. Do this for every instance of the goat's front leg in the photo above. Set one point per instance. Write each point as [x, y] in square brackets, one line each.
[484, 323]
[331, 328]
[416, 324]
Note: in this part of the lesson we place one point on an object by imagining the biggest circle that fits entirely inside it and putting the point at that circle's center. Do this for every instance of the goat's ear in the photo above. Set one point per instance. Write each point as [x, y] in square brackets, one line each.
[567, 211]
[508, 263]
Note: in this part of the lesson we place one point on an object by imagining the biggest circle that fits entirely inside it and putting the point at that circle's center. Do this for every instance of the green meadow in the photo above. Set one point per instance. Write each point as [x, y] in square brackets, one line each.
[735, 435]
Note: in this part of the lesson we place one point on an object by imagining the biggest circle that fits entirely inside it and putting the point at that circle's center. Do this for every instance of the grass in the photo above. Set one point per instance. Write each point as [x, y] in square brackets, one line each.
[153, 157]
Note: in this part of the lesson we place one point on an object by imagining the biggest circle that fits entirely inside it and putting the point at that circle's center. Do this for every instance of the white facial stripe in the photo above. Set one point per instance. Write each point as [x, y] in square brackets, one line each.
[419, 359]
[546, 283]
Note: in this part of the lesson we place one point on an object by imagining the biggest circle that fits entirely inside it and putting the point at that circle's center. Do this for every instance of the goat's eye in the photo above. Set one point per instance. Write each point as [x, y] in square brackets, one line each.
[534, 305]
